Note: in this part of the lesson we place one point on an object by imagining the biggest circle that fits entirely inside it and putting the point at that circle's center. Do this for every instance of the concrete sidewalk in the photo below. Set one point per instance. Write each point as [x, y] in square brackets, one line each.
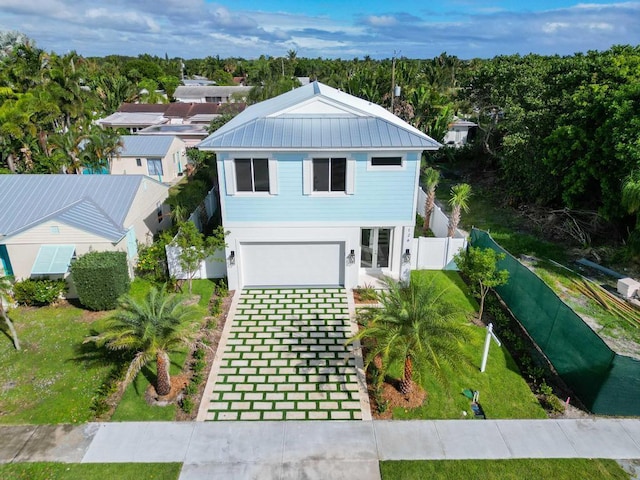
[317, 450]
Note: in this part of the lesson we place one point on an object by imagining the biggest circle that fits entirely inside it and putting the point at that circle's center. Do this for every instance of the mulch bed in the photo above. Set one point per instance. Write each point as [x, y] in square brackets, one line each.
[210, 334]
[396, 399]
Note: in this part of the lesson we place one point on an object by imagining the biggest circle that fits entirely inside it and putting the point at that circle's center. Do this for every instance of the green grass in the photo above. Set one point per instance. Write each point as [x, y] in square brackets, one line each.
[49, 380]
[90, 471]
[503, 391]
[133, 407]
[507, 228]
[557, 469]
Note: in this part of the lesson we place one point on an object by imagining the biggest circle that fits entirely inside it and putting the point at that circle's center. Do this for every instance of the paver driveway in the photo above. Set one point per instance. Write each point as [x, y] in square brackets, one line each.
[285, 359]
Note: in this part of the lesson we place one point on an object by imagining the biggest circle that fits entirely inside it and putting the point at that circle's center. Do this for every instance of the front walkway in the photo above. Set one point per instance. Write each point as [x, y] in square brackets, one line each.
[284, 358]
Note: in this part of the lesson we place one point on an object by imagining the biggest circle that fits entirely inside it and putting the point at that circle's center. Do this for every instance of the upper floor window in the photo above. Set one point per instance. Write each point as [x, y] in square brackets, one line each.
[257, 175]
[386, 161]
[329, 174]
[252, 174]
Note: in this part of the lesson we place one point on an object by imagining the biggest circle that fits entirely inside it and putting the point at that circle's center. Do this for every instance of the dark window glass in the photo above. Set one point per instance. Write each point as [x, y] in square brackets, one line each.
[338, 174]
[320, 174]
[261, 174]
[386, 161]
[138, 162]
[244, 182]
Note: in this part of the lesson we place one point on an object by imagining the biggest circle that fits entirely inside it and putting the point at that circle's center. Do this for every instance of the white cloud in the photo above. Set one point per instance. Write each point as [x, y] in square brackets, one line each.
[196, 28]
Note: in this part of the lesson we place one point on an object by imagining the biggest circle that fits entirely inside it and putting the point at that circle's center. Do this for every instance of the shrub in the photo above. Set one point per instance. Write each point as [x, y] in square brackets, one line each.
[100, 278]
[187, 405]
[38, 292]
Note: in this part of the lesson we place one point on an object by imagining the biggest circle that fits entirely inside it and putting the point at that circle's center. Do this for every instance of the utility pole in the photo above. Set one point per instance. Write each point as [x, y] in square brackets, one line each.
[393, 79]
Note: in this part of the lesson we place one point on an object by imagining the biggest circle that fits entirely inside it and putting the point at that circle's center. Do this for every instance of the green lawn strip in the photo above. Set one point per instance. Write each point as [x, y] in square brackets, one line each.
[50, 380]
[89, 471]
[558, 469]
[503, 391]
[132, 406]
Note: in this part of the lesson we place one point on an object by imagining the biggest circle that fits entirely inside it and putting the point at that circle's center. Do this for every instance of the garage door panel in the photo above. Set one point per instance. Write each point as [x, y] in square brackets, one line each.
[292, 264]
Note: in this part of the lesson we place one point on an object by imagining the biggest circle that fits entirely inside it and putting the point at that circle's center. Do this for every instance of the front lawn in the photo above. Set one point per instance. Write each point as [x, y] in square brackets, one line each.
[133, 407]
[558, 469]
[49, 380]
[91, 471]
[503, 391]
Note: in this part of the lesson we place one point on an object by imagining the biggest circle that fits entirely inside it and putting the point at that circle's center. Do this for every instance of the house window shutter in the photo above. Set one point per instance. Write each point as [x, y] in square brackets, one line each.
[307, 176]
[273, 176]
[351, 176]
[230, 176]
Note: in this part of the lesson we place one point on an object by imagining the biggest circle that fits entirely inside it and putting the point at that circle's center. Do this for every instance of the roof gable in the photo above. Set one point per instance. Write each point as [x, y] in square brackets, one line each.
[145, 145]
[96, 203]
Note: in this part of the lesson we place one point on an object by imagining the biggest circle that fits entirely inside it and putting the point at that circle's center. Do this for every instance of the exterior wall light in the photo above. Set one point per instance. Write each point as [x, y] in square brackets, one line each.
[351, 258]
[232, 258]
[406, 256]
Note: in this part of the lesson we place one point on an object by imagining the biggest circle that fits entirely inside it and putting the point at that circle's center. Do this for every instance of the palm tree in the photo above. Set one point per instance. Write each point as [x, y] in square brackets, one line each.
[414, 325]
[5, 288]
[151, 328]
[430, 180]
[459, 201]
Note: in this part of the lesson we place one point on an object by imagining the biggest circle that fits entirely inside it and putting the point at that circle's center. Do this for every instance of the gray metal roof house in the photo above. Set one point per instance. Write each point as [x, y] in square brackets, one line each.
[46, 220]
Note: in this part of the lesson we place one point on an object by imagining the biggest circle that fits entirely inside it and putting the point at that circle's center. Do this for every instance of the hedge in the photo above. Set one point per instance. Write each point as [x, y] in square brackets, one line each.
[38, 292]
[100, 278]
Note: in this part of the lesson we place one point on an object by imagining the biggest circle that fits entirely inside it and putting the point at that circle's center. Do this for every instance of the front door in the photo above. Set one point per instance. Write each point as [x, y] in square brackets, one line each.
[375, 247]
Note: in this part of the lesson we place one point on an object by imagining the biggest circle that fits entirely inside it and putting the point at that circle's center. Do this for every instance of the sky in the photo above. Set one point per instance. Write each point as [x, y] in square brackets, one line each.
[323, 28]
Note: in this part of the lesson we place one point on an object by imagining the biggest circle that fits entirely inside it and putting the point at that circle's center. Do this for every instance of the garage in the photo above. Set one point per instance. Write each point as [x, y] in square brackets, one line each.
[292, 264]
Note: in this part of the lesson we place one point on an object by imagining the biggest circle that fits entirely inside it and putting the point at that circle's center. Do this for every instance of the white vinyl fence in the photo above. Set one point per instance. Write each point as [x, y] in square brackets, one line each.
[212, 267]
[436, 253]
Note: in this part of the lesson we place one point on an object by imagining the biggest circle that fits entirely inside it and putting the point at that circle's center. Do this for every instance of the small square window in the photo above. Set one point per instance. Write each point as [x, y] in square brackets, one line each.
[252, 174]
[54, 229]
[329, 174]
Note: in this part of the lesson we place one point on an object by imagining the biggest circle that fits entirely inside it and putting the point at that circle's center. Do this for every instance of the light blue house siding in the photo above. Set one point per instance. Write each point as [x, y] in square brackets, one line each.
[380, 196]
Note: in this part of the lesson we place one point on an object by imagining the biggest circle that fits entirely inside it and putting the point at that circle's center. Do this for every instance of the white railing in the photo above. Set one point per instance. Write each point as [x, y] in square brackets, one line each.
[436, 253]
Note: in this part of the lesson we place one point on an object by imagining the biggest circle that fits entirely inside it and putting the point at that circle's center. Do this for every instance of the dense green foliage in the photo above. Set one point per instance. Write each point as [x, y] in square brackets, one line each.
[100, 278]
[38, 292]
[562, 132]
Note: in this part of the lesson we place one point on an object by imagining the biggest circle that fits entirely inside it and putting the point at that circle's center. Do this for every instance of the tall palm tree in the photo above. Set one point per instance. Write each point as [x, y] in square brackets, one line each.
[430, 180]
[5, 288]
[151, 329]
[414, 325]
[459, 201]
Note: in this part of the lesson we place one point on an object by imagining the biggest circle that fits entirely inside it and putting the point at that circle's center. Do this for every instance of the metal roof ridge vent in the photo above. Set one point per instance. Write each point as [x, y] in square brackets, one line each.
[316, 88]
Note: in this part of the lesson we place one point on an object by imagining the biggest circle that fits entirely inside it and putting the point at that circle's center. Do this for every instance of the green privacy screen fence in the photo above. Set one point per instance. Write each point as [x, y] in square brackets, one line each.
[607, 383]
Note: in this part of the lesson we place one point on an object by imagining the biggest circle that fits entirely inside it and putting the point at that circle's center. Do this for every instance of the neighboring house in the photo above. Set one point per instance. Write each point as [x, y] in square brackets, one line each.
[139, 116]
[48, 220]
[460, 133]
[212, 94]
[191, 134]
[317, 187]
[161, 157]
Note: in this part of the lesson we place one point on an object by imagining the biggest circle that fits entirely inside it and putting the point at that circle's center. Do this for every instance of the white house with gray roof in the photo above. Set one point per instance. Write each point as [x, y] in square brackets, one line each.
[317, 188]
[162, 157]
[212, 94]
[47, 220]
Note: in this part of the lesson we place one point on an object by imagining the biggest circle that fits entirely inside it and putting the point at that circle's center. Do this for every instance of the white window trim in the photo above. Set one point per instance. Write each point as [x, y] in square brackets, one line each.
[307, 175]
[230, 175]
[389, 168]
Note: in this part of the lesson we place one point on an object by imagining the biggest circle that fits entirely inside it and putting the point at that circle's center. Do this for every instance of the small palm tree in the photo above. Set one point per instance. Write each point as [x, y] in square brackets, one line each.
[5, 289]
[430, 180]
[459, 201]
[151, 328]
[414, 325]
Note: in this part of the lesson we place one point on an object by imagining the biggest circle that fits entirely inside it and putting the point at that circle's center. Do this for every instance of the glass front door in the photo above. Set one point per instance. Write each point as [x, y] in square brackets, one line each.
[375, 246]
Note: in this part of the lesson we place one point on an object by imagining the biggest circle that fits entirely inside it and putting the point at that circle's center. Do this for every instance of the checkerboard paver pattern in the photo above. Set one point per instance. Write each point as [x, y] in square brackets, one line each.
[285, 359]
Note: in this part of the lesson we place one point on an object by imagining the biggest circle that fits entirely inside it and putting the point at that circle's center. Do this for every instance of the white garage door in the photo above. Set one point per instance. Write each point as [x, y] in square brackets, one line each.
[292, 264]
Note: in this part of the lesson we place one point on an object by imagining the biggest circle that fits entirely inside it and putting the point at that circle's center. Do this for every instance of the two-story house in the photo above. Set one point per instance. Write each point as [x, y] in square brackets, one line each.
[317, 187]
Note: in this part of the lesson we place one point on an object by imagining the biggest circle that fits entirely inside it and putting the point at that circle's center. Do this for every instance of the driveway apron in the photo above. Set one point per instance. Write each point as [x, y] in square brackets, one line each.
[285, 358]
